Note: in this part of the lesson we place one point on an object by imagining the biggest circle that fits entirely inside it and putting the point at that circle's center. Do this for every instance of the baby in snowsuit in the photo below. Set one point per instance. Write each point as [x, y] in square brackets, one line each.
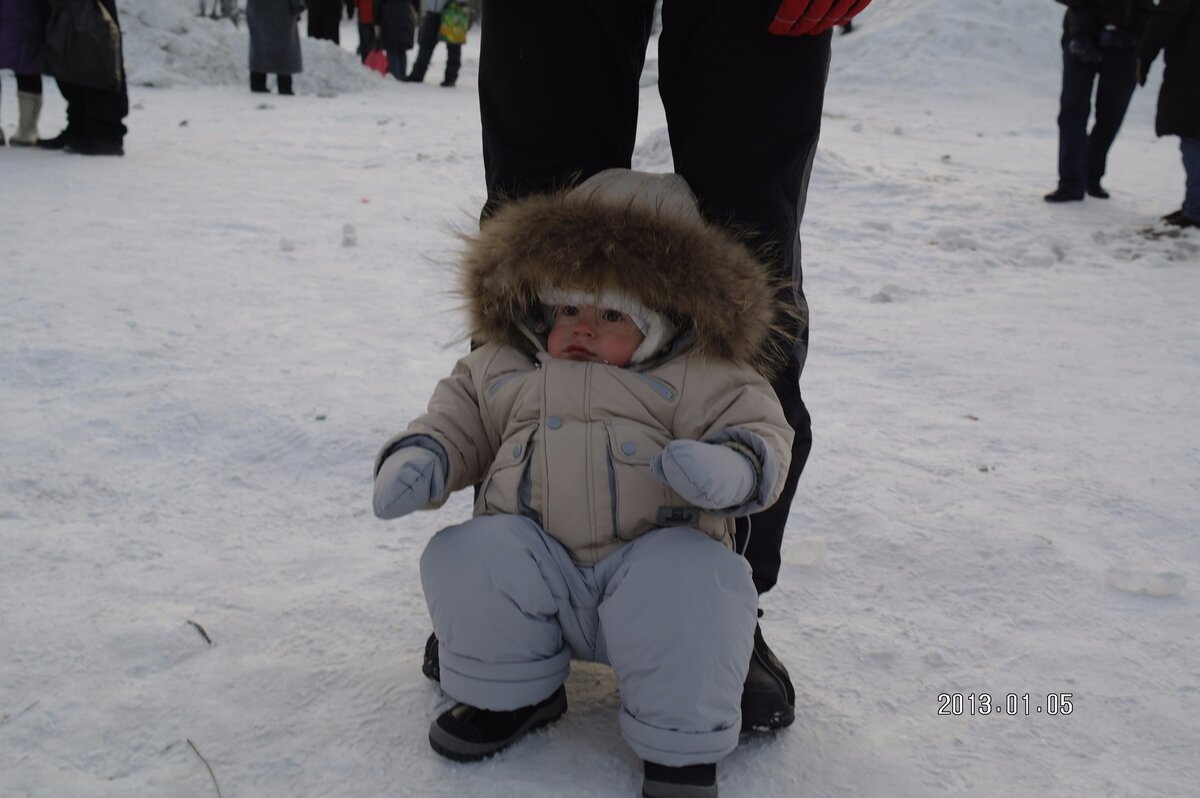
[617, 418]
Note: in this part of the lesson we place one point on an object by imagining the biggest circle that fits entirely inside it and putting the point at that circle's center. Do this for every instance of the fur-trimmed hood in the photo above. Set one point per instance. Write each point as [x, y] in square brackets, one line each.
[632, 233]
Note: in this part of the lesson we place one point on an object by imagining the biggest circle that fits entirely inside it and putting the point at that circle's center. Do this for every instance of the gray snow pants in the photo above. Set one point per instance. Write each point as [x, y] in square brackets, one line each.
[673, 613]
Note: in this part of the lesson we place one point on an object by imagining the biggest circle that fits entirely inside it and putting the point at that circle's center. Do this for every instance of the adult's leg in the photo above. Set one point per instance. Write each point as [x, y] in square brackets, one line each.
[1189, 147]
[499, 595]
[745, 138]
[426, 41]
[397, 62]
[29, 104]
[677, 622]
[1075, 106]
[453, 63]
[558, 90]
[1117, 80]
[96, 115]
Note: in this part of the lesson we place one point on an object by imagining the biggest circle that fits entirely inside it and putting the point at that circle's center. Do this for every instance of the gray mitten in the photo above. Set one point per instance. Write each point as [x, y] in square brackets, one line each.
[708, 475]
[408, 480]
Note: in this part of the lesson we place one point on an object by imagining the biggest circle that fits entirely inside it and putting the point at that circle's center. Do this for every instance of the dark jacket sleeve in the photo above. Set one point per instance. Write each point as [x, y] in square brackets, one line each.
[1163, 24]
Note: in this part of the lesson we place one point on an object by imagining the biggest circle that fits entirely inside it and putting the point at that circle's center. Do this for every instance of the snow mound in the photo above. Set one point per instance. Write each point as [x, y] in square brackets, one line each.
[949, 47]
[167, 44]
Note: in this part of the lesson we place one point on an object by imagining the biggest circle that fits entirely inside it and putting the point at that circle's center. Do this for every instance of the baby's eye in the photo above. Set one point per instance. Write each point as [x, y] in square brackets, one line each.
[568, 310]
[612, 316]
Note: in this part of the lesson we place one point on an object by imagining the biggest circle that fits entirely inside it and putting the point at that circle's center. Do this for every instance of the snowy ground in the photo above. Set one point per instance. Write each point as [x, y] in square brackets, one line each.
[203, 343]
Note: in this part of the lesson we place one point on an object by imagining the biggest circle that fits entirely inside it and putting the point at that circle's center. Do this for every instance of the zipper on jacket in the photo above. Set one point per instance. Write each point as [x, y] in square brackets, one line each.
[612, 492]
[660, 387]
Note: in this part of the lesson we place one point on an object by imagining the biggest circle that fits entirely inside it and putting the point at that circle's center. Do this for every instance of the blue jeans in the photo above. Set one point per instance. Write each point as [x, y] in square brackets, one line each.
[397, 62]
[1082, 155]
[1190, 147]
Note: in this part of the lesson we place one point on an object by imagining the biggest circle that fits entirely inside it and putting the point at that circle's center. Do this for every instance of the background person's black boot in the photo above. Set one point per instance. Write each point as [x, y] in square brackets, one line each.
[465, 733]
[1063, 195]
[768, 697]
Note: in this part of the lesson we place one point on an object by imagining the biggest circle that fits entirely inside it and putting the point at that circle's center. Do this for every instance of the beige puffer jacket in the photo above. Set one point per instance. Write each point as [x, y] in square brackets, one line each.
[569, 443]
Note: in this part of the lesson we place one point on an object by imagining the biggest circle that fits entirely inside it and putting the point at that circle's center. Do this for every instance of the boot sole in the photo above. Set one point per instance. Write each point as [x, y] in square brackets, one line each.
[662, 789]
[458, 750]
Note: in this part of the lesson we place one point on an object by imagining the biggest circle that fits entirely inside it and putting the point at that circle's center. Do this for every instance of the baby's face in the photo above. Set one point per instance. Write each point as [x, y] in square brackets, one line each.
[599, 335]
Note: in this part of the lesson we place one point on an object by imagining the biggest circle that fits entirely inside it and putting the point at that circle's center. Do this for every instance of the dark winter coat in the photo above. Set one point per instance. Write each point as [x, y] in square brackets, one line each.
[398, 21]
[1129, 16]
[1175, 29]
[274, 36]
[22, 31]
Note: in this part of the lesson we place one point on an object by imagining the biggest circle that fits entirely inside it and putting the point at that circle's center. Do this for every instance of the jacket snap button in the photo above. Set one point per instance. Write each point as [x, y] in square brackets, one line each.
[517, 450]
[554, 422]
[629, 448]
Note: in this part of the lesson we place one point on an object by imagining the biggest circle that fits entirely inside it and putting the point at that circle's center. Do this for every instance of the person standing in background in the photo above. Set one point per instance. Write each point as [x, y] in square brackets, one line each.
[1083, 155]
[92, 82]
[274, 42]
[398, 24]
[366, 25]
[22, 35]
[1174, 29]
[427, 39]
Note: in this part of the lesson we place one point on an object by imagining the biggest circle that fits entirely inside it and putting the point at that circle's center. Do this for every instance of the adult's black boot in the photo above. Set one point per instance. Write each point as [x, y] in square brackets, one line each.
[768, 697]
[466, 734]
[95, 147]
[284, 82]
[1062, 195]
[1096, 190]
[59, 142]
[258, 82]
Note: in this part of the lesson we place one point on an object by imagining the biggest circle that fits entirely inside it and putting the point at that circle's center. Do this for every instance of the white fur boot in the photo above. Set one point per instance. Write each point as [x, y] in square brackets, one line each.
[30, 106]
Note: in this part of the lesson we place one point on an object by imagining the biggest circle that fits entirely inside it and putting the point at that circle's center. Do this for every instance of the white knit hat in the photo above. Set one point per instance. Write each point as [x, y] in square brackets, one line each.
[657, 329]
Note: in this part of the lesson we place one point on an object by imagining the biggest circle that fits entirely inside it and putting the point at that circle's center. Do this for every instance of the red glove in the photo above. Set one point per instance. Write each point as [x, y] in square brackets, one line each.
[810, 17]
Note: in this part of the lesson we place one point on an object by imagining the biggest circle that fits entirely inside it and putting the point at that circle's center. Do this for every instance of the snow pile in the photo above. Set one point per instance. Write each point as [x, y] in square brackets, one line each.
[168, 44]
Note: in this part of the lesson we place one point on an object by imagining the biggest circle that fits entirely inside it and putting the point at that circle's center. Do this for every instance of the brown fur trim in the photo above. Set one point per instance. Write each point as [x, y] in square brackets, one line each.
[698, 275]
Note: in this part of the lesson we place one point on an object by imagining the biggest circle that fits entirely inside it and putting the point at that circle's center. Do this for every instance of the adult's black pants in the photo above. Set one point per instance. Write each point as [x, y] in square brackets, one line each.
[97, 114]
[558, 93]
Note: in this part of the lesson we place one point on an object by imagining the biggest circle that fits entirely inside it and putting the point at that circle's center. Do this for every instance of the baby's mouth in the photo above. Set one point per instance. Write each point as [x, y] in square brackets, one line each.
[575, 352]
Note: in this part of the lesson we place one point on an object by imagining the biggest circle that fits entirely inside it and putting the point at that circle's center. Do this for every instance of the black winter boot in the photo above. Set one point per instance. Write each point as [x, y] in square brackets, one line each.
[1096, 190]
[692, 781]
[284, 82]
[466, 734]
[258, 82]
[1062, 195]
[67, 137]
[768, 698]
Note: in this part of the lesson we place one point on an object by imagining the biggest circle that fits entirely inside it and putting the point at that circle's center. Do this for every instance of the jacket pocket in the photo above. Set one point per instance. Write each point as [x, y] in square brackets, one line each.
[502, 488]
[635, 494]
